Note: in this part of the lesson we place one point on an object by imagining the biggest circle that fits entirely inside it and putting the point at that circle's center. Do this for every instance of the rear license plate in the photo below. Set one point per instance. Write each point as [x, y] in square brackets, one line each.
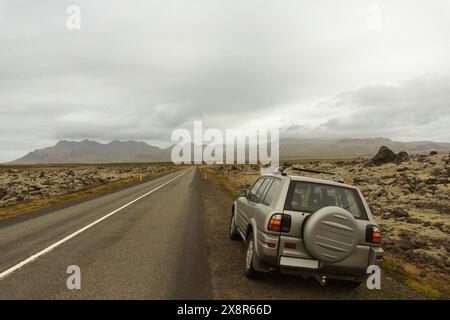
[299, 263]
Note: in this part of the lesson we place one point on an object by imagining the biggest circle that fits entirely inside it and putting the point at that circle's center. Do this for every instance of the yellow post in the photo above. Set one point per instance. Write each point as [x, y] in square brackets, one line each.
[140, 177]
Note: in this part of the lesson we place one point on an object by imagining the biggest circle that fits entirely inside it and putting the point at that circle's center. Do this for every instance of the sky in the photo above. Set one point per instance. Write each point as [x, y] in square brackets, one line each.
[140, 69]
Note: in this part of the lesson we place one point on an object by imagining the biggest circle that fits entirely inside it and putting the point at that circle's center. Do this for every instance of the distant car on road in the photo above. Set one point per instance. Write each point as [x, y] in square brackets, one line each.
[306, 226]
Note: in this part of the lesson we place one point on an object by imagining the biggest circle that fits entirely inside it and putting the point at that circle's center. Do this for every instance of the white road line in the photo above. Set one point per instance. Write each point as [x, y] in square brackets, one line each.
[7, 272]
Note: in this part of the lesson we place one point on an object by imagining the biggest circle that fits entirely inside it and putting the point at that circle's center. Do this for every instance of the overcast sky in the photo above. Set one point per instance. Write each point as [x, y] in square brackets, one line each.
[140, 69]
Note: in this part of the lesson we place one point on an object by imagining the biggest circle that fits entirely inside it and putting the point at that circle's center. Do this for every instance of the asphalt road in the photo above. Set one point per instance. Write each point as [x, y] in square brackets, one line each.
[153, 248]
[162, 239]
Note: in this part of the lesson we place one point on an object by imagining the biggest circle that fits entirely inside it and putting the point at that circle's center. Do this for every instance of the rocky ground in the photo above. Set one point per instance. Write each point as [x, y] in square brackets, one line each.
[409, 197]
[20, 185]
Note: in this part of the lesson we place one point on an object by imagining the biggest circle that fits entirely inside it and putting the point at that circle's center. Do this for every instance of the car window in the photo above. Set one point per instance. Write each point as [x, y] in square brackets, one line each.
[350, 201]
[266, 190]
[261, 189]
[252, 193]
[310, 197]
[272, 192]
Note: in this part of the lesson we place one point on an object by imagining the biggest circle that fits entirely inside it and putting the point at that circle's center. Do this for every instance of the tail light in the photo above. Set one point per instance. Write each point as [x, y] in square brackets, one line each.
[290, 245]
[275, 223]
[373, 234]
[280, 223]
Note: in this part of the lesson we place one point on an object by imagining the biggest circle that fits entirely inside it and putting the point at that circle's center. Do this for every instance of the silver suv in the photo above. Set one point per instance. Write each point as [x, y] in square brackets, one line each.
[305, 226]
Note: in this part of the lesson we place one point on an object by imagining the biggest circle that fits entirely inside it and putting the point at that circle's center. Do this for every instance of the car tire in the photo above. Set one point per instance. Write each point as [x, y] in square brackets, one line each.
[348, 284]
[234, 233]
[250, 272]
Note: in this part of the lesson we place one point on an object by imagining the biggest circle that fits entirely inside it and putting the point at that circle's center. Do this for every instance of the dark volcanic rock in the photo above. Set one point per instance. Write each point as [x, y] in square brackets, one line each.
[3, 193]
[406, 244]
[384, 155]
[419, 242]
[402, 156]
[399, 212]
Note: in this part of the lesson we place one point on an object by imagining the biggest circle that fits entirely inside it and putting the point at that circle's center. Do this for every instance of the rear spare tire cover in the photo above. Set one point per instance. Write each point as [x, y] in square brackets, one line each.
[331, 234]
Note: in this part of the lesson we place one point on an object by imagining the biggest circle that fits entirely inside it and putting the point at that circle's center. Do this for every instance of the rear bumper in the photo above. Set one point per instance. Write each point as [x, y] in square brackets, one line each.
[353, 268]
[299, 262]
[376, 256]
[265, 252]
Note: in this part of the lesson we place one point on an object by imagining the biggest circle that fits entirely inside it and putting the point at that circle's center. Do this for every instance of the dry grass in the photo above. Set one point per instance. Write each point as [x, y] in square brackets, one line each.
[232, 182]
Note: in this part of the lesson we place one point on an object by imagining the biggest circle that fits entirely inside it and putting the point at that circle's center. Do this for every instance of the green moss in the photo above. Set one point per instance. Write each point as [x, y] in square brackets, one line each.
[27, 207]
[392, 269]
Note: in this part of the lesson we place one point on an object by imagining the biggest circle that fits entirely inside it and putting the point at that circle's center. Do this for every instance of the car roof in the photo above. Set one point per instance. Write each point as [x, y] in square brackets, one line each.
[309, 179]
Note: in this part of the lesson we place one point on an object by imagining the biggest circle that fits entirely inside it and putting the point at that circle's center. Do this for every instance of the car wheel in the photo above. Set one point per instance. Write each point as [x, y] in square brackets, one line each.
[234, 234]
[250, 272]
[348, 284]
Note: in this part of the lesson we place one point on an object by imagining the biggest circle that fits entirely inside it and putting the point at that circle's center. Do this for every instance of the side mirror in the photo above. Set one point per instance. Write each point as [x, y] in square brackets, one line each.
[242, 193]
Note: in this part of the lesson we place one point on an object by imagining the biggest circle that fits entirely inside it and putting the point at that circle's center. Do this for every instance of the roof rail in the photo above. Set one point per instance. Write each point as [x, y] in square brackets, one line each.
[339, 178]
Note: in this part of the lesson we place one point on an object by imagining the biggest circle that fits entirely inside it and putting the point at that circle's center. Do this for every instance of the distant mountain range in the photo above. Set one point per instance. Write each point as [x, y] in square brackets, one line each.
[345, 148]
[88, 151]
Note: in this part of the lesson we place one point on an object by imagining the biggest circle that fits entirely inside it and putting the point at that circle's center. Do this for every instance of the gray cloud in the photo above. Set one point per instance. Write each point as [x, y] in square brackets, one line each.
[414, 109]
[139, 70]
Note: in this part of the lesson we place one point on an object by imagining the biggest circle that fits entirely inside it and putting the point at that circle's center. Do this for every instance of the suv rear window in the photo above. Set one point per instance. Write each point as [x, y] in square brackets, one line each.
[310, 197]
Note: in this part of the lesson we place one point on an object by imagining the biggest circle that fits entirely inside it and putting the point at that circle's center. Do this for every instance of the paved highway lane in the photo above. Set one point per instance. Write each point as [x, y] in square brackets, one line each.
[152, 249]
